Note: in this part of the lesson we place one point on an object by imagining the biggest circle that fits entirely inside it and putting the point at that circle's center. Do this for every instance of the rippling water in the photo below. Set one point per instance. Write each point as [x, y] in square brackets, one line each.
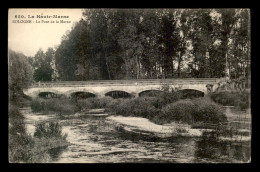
[93, 140]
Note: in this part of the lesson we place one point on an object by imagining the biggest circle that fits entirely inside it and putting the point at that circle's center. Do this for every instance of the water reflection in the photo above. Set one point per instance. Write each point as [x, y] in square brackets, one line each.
[56, 152]
[222, 151]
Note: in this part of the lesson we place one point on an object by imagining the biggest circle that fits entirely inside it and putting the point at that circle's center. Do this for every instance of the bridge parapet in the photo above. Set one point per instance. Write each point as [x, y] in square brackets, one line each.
[127, 82]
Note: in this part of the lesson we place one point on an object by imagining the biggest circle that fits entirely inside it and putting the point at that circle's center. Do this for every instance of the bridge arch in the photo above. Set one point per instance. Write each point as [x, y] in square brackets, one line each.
[150, 92]
[191, 93]
[48, 94]
[119, 94]
[38, 92]
[82, 94]
[201, 88]
[71, 92]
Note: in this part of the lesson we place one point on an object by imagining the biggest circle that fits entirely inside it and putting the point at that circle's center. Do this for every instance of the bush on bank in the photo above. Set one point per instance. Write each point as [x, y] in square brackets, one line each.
[68, 106]
[95, 103]
[208, 111]
[61, 106]
[181, 110]
[190, 111]
[160, 109]
[49, 130]
[237, 99]
[141, 107]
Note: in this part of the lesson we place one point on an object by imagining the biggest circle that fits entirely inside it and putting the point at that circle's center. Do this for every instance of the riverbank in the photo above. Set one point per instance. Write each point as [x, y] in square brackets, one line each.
[145, 127]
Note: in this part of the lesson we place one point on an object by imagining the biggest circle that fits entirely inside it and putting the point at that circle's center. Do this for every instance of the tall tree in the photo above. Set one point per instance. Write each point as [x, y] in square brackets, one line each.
[42, 64]
[19, 74]
[202, 36]
[67, 54]
[167, 42]
[240, 45]
[228, 21]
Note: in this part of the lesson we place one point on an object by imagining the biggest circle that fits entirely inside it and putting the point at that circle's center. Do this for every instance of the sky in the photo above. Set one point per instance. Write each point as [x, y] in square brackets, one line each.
[28, 38]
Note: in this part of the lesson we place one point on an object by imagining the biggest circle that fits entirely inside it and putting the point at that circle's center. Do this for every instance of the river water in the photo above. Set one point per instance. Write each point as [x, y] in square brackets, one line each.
[94, 140]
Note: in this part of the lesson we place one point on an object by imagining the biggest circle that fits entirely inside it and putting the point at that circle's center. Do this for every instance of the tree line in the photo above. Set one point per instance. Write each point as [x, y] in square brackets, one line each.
[119, 44]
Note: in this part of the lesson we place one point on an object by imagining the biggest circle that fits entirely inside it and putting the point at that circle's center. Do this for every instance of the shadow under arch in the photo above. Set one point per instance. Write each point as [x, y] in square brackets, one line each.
[150, 93]
[191, 93]
[82, 94]
[118, 94]
[48, 94]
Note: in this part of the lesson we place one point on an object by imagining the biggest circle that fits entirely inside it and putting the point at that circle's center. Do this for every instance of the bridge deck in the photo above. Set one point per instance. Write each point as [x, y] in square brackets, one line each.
[128, 82]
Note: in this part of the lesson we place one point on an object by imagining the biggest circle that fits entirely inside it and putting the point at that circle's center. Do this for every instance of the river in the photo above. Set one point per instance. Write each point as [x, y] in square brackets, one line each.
[93, 140]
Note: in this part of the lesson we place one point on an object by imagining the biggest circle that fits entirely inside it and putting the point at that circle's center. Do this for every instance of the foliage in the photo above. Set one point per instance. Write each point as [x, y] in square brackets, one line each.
[42, 64]
[22, 147]
[94, 103]
[238, 99]
[208, 111]
[190, 111]
[150, 43]
[19, 75]
[60, 106]
[141, 107]
[179, 111]
[49, 130]
[18, 141]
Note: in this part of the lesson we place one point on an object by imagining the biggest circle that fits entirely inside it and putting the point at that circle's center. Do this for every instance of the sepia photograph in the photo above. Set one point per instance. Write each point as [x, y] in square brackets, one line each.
[129, 85]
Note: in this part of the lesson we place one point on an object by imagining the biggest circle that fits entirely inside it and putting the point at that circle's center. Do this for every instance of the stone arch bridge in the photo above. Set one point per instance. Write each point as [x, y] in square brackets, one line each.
[134, 87]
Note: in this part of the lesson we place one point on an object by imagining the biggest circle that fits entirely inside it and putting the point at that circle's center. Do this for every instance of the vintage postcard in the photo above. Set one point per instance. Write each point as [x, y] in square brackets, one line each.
[129, 85]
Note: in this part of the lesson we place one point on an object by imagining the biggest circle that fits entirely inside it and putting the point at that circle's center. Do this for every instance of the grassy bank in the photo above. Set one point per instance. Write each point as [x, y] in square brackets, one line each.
[19, 142]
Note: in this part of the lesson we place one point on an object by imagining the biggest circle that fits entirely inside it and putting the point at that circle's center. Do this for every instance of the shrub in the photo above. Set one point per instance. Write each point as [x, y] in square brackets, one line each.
[83, 105]
[37, 105]
[100, 102]
[244, 101]
[168, 97]
[61, 106]
[141, 107]
[189, 111]
[208, 111]
[94, 103]
[14, 114]
[19, 141]
[49, 130]
[182, 110]
[225, 98]
[237, 99]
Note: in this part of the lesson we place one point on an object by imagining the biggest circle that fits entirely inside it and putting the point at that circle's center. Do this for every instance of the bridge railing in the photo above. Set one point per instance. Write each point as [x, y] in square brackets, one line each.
[128, 82]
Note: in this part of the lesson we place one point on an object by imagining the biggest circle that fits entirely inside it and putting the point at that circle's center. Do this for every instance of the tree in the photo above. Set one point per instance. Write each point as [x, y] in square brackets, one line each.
[66, 56]
[167, 42]
[42, 64]
[228, 21]
[239, 64]
[149, 27]
[19, 74]
[131, 44]
[204, 35]
[160, 43]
